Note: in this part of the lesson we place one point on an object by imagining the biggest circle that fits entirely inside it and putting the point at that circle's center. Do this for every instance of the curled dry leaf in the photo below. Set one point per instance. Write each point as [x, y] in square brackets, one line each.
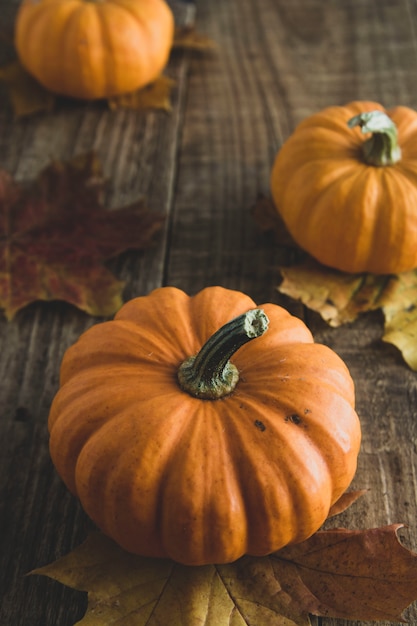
[345, 501]
[357, 575]
[55, 236]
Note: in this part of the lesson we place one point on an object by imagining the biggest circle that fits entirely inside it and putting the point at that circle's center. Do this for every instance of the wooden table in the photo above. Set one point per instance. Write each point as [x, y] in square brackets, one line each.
[203, 165]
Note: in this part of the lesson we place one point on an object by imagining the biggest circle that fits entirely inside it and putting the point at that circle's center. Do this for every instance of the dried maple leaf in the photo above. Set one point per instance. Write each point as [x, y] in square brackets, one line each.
[340, 298]
[157, 95]
[188, 38]
[27, 96]
[55, 236]
[350, 574]
[365, 575]
[399, 304]
[136, 591]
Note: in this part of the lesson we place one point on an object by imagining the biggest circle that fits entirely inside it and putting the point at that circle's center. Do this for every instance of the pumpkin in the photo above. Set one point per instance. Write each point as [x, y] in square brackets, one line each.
[94, 48]
[176, 451]
[345, 185]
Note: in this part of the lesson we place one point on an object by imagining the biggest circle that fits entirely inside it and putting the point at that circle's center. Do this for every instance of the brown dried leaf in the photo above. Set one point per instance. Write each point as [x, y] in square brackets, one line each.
[27, 96]
[55, 236]
[156, 95]
[358, 575]
[188, 38]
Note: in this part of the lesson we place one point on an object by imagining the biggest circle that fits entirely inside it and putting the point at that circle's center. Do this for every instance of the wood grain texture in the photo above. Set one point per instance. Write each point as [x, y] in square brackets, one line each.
[38, 519]
[277, 63]
[204, 165]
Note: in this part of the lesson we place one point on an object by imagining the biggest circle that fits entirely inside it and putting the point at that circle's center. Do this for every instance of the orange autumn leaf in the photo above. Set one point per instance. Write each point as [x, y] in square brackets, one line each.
[55, 236]
[356, 575]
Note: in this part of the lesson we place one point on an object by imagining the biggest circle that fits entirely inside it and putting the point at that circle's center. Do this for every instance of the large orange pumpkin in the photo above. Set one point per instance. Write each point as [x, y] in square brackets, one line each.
[345, 184]
[94, 48]
[199, 459]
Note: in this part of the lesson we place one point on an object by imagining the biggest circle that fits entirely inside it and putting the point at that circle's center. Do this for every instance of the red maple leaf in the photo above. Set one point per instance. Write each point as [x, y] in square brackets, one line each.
[55, 236]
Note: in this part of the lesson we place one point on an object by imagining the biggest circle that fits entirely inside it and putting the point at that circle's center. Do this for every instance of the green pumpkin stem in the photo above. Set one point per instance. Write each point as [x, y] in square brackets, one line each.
[209, 374]
[382, 147]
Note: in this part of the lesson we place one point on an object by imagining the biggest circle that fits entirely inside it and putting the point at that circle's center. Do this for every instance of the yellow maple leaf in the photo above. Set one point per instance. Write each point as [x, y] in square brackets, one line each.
[399, 304]
[339, 298]
[136, 591]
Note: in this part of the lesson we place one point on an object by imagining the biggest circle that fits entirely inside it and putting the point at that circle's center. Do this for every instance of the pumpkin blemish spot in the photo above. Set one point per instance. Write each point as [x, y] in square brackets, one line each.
[260, 425]
[295, 419]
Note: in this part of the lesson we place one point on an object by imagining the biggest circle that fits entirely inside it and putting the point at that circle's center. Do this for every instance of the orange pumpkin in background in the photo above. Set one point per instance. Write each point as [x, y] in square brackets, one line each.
[345, 184]
[197, 458]
[93, 49]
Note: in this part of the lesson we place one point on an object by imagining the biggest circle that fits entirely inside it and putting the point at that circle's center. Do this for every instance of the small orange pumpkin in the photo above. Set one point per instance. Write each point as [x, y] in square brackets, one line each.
[345, 184]
[94, 48]
[193, 457]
